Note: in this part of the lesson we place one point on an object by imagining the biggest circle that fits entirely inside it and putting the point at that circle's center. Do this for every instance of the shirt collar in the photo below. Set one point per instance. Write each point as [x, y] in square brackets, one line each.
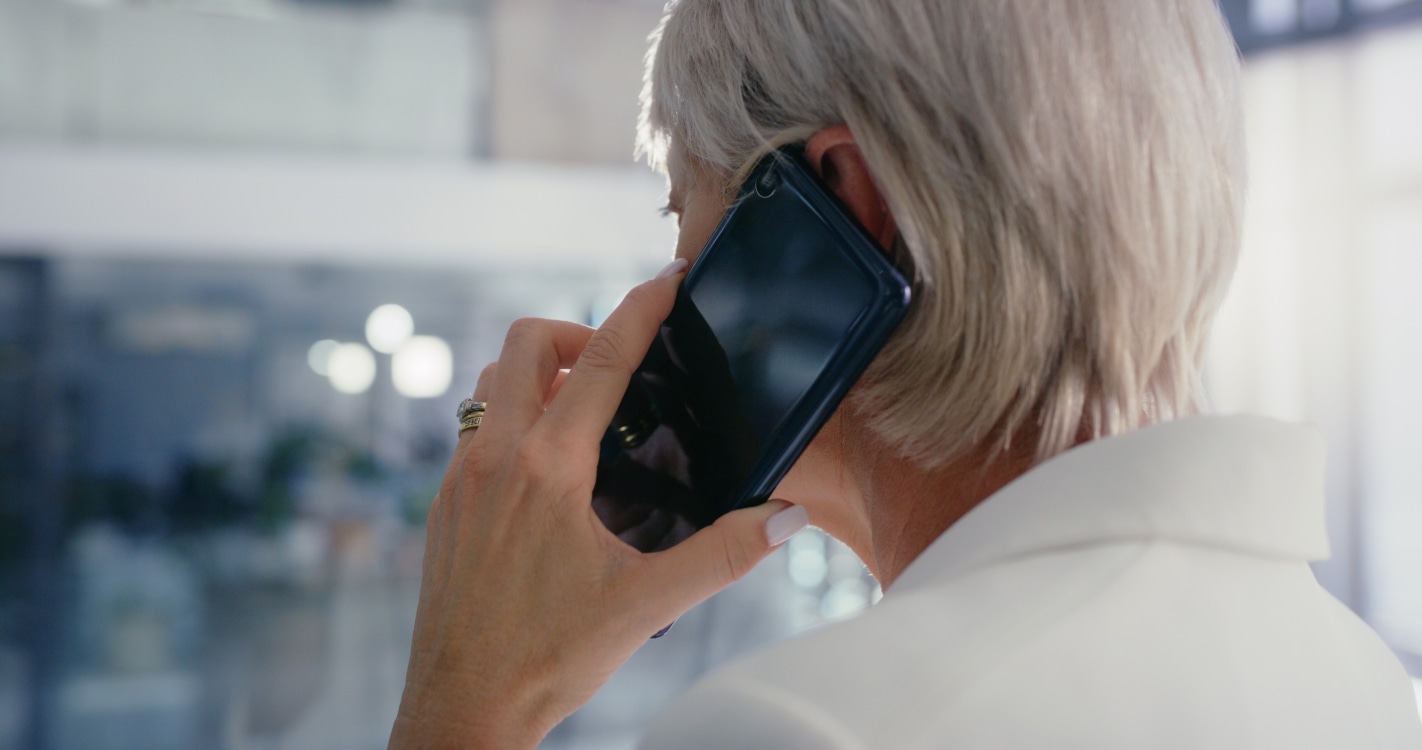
[1243, 483]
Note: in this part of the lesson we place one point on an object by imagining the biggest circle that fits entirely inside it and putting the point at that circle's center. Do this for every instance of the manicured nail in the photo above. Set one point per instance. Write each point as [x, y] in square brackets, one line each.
[785, 524]
[673, 268]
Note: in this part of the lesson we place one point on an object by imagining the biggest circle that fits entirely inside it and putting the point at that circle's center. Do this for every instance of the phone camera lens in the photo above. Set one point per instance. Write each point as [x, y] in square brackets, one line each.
[633, 435]
[765, 186]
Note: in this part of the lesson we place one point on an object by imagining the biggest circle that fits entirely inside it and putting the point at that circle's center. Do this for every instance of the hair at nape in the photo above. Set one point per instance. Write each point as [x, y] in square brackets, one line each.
[1067, 178]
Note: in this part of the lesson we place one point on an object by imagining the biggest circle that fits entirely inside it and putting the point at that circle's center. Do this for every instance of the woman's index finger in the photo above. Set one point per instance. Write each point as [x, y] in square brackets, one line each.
[529, 364]
[589, 397]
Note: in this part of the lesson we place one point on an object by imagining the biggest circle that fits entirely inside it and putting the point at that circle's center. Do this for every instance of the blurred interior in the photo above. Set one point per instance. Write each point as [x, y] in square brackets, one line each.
[252, 252]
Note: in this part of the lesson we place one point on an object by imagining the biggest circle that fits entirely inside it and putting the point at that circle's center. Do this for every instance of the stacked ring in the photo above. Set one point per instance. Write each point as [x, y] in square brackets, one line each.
[470, 414]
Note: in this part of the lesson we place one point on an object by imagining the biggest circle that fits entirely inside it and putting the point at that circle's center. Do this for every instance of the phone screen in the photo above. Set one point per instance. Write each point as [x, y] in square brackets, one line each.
[784, 308]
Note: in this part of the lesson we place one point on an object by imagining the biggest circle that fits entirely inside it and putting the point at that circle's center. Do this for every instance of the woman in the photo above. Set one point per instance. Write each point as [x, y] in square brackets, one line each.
[1064, 181]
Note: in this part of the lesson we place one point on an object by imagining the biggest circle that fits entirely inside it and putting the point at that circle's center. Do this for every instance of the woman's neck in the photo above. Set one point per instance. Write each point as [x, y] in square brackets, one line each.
[906, 507]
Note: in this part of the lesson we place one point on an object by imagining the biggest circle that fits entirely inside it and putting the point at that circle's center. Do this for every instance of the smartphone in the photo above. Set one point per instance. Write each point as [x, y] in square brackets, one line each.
[783, 310]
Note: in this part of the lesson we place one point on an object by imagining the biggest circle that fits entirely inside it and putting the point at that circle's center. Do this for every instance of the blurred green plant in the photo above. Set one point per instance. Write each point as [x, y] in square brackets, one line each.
[287, 457]
[116, 498]
[203, 497]
[208, 493]
[415, 507]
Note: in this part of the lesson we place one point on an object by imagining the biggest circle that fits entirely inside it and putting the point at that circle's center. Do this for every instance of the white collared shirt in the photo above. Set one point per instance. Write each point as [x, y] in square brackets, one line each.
[1150, 590]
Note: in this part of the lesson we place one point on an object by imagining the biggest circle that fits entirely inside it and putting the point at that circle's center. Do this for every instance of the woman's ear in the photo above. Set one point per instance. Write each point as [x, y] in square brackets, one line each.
[835, 156]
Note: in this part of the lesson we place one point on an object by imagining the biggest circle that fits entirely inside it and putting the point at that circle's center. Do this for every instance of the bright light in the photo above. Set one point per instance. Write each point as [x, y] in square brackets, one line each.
[807, 568]
[844, 566]
[843, 601]
[423, 367]
[1273, 16]
[351, 368]
[388, 327]
[320, 354]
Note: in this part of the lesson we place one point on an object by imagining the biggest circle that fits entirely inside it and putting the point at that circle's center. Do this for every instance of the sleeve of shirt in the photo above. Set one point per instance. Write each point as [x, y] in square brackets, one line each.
[728, 713]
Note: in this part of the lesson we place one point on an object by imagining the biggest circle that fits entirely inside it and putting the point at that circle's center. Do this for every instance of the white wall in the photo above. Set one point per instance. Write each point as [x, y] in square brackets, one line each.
[566, 77]
[394, 80]
[68, 202]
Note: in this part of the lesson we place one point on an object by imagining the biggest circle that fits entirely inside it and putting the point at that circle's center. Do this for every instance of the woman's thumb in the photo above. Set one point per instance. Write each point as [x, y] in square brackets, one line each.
[718, 555]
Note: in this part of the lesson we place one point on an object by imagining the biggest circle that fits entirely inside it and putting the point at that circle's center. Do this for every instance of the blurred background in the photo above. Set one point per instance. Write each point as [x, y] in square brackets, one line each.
[252, 252]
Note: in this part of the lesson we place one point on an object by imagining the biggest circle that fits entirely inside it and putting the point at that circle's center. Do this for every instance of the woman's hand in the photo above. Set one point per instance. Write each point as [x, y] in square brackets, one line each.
[528, 603]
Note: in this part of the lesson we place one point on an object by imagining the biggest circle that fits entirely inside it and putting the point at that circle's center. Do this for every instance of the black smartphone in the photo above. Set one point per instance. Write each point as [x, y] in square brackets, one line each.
[784, 309]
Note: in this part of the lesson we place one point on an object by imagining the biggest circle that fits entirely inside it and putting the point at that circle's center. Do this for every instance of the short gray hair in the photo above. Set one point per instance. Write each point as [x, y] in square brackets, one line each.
[1067, 179]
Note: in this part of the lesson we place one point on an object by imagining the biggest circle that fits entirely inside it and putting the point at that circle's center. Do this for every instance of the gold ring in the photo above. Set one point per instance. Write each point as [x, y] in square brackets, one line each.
[470, 414]
[472, 421]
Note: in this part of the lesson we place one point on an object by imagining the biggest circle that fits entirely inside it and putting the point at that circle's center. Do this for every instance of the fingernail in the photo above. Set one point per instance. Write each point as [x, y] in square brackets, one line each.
[673, 268]
[785, 524]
